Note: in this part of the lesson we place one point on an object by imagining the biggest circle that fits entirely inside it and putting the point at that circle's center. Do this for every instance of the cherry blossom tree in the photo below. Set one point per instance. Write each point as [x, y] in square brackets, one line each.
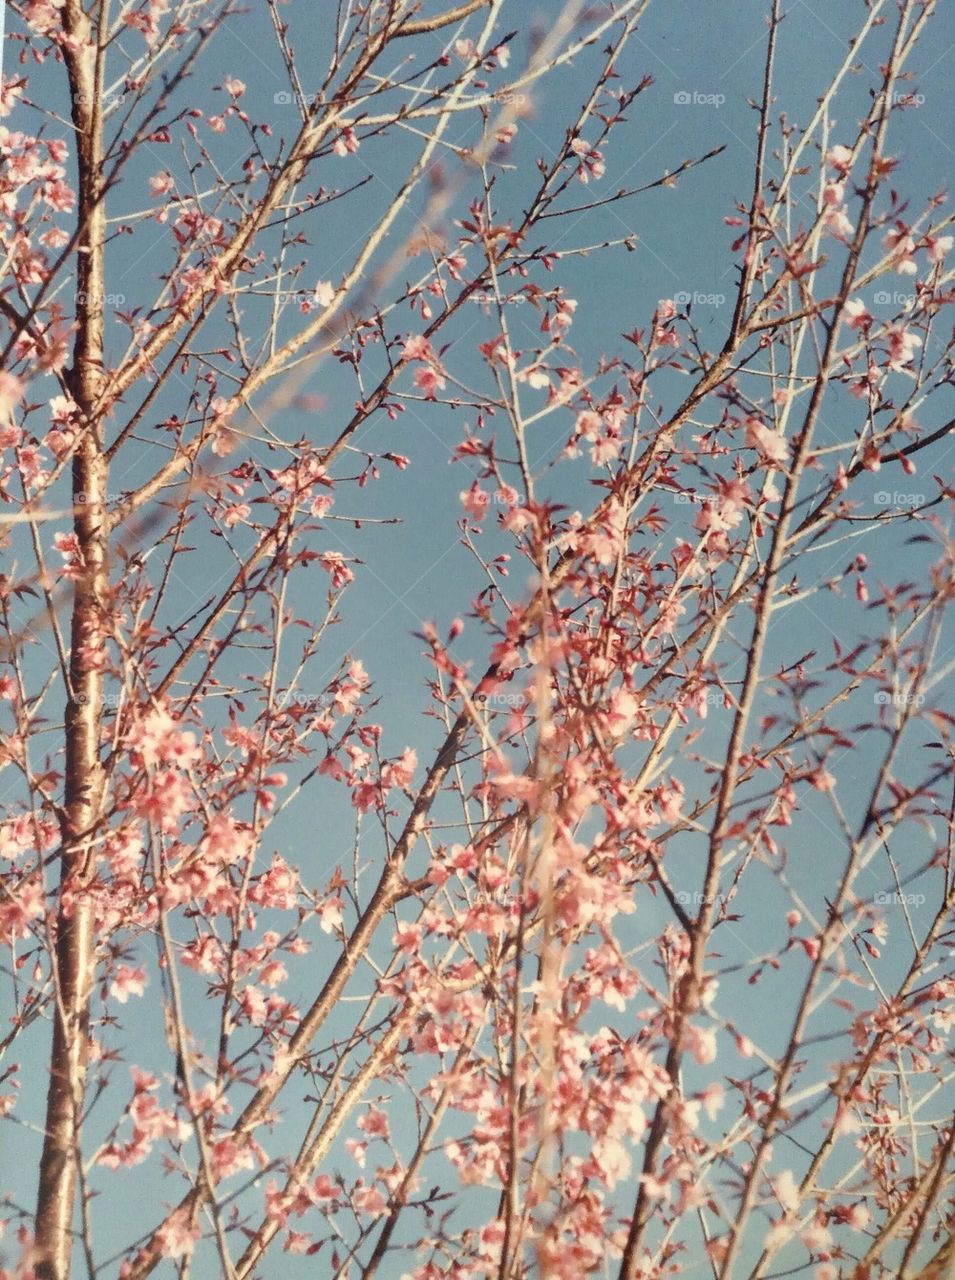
[628, 954]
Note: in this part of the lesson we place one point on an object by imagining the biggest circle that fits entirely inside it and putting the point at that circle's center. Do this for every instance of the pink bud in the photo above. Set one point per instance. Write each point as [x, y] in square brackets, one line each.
[744, 1046]
[811, 946]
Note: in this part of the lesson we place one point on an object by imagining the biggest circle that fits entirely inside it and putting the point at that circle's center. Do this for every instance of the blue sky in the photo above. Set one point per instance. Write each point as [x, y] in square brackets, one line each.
[706, 61]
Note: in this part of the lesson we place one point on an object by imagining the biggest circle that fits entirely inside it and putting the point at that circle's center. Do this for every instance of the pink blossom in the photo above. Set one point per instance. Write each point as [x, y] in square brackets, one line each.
[324, 293]
[665, 337]
[937, 248]
[369, 1200]
[857, 317]
[165, 795]
[346, 143]
[839, 157]
[146, 19]
[811, 946]
[253, 1005]
[407, 937]
[11, 390]
[54, 238]
[204, 955]
[236, 512]
[68, 545]
[127, 982]
[374, 1123]
[837, 223]
[178, 1234]
[156, 738]
[562, 318]
[591, 161]
[416, 347]
[787, 1192]
[277, 887]
[901, 248]
[330, 915]
[10, 91]
[902, 346]
[333, 562]
[227, 1157]
[225, 841]
[58, 196]
[44, 16]
[17, 914]
[429, 380]
[607, 540]
[366, 796]
[713, 1099]
[61, 408]
[701, 1043]
[143, 1081]
[772, 446]
[357, 1150]
[400, 772]
[11, 437]
[536, 376]
[475, 501]
[160, 184]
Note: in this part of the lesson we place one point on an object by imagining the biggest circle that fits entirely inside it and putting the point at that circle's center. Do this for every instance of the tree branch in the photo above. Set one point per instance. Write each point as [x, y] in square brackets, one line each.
[422, 26]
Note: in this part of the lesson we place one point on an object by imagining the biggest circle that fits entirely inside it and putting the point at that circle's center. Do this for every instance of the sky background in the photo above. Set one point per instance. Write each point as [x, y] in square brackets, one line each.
[416, 570]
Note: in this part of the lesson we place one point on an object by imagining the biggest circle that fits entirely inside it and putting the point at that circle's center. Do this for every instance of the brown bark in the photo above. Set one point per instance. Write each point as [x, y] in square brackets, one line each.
[942, 1265]
[74, 956]
[420, 26]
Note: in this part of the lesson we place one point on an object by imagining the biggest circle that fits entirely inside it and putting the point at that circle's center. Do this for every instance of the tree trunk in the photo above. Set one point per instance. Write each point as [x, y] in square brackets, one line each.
[74, 953]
